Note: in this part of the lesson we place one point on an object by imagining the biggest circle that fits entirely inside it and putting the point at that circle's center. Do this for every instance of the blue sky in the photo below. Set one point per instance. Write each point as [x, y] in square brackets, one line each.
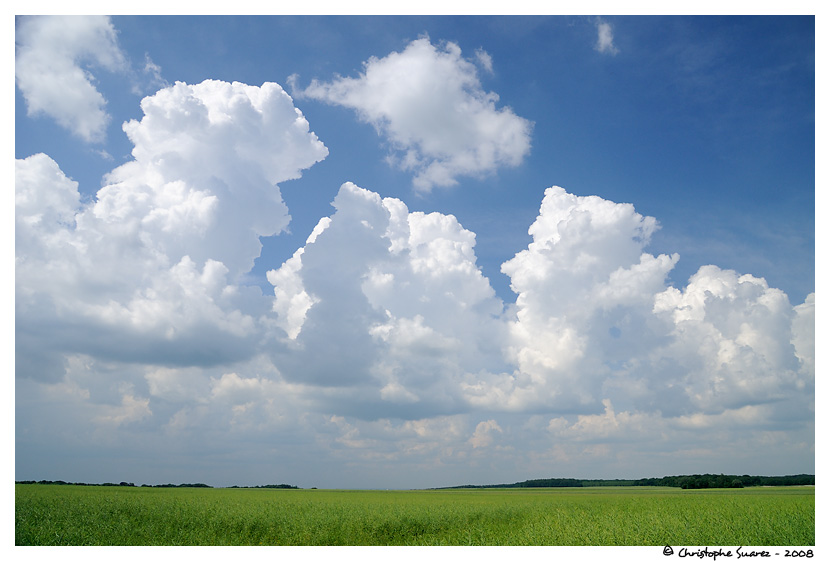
[447, 316]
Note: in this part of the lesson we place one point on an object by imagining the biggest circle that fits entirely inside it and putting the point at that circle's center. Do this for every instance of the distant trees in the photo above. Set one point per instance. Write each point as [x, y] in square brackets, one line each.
[697, 481]
[558, 482]
[277, 486]
[122, 484]
[163, 485]
[203, 485]
[721, 481]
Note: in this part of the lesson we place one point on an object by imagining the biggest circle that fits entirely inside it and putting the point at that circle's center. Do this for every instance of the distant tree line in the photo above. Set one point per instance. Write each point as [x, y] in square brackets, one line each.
[125, 484]
[278, 486]
[122, 484]
[556, 482]
[697, 481]
[721, 481]
[205, 485]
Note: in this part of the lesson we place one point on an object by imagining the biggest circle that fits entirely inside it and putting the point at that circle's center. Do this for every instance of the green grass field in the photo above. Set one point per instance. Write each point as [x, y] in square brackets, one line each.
[80, 515]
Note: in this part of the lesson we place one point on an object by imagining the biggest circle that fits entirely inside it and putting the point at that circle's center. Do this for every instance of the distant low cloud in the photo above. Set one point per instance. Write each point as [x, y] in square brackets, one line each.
[483, 437]
[605, 38]
[428, 103]
[54, 57]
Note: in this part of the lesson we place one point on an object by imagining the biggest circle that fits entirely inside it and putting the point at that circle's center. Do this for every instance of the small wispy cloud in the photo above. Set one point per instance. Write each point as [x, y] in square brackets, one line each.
[152, 73]
[605, 38]
[485, 60]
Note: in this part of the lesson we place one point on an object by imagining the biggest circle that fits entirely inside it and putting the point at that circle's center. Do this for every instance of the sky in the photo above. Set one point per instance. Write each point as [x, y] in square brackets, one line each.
[413, 251]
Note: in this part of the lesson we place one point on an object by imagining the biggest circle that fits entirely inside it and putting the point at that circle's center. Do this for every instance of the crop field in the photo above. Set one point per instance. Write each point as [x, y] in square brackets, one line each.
[642, 516]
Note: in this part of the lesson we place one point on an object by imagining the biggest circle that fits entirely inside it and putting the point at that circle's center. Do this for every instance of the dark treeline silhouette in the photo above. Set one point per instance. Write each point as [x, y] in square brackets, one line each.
[205, 485]
[279, 486]
[721, 481]
[607, 482]
[697, 481]
[125, 484]
[529, 483]
[122, 484]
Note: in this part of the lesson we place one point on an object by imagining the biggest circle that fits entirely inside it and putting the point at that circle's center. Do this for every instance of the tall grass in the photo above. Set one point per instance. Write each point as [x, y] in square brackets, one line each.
[75, 515]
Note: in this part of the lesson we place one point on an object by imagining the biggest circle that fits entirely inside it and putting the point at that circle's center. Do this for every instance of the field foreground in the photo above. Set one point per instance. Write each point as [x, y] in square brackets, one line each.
[642, 516]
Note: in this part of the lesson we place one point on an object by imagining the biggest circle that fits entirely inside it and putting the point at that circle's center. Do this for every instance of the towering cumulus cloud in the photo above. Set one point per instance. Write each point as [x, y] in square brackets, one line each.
[429, 104]
[737, 341]
[390, 300]
[594, 318]
[585, 292]
[149, 270]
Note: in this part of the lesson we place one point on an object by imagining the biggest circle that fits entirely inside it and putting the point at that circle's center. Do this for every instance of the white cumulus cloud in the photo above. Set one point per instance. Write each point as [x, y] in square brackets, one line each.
[389, 299]
[54, 56]
[388, 309]
[428, 102]
[150, 269]
[585, 292]
[733, 339]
